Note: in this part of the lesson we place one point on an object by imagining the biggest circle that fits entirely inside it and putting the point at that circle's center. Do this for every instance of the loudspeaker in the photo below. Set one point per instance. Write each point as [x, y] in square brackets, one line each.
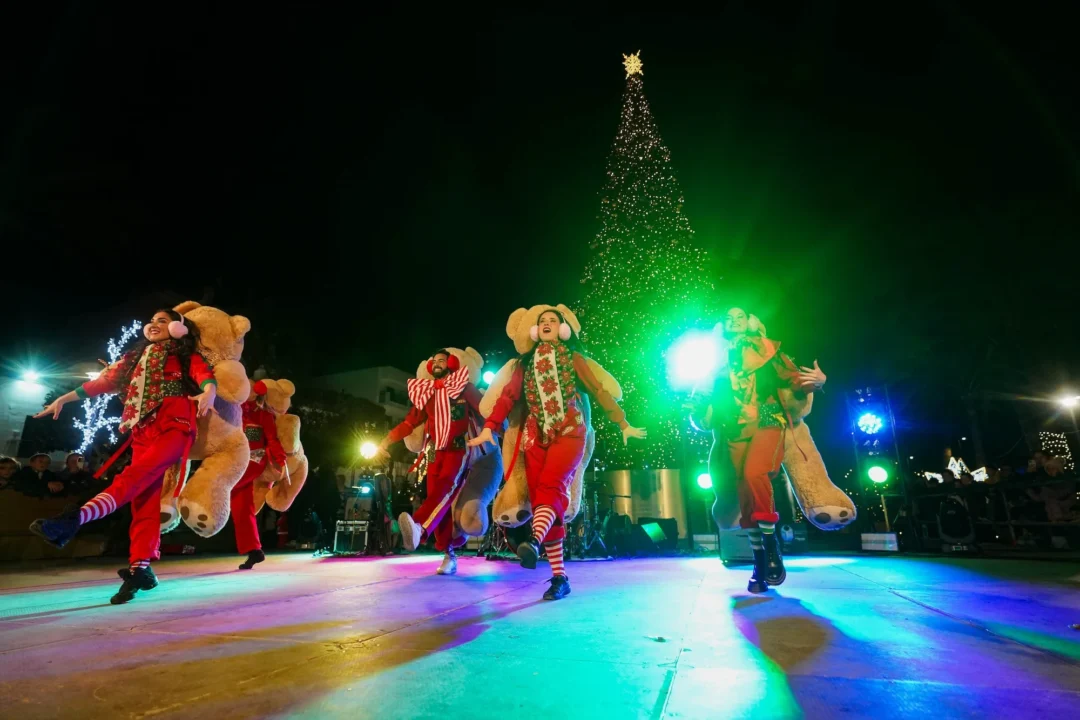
[735, 547]
[351, 536]
[664, 532]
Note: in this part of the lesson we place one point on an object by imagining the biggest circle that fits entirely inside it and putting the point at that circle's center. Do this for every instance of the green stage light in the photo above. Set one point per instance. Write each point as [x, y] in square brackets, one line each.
[877, 474]
[704, 481]
[489, 377]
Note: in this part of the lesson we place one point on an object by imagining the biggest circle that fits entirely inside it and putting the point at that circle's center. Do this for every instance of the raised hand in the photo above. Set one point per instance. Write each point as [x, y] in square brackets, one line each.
[632, 432]
[811, 379]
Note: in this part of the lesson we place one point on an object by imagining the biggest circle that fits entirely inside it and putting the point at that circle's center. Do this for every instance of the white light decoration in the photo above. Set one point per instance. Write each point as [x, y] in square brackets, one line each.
[94, 417]
[958, 466]
[1055, 444]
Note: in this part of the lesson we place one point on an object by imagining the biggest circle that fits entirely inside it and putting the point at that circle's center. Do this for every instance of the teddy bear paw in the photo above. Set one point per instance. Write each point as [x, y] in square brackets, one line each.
[830, 517]
[200, 519]
[170, 517]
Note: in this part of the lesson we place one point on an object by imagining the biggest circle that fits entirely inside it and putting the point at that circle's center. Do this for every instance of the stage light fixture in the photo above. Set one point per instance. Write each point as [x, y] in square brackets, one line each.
[489, 377]
[368, 450]
[870, 423]
[877, 474]
[704, 481]
[693, 360]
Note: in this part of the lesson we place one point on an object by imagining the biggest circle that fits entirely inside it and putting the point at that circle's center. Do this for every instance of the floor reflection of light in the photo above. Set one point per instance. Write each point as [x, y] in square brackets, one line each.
[812, 562]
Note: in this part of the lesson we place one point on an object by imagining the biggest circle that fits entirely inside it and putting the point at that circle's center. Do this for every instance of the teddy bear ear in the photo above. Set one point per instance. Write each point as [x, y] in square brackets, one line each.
[474, 357]
[287, 387]
[241, 325]
[514, 322]
[570, 317]
[187, 306]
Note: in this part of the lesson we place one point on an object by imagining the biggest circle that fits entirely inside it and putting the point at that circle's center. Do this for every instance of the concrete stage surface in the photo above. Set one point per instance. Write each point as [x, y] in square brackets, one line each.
[855, 636]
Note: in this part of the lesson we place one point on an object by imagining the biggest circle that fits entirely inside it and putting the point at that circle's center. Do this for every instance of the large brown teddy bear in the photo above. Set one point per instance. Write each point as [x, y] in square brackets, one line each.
[824, 505]
[512, 507]
[220, 442]
[268, 487]
[485, 468]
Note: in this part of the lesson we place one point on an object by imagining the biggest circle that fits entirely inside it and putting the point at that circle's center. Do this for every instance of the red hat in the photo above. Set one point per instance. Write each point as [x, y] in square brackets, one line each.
[259, 387]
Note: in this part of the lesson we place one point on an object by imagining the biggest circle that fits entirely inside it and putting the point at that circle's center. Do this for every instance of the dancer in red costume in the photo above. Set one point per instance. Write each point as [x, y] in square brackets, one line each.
[442, 405]
[549, 377]
[159, 382]
[260, 427]
[753, 421]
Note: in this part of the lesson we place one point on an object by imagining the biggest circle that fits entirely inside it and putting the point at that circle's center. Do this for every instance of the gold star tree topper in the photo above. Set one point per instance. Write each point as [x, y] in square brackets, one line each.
[632, 63]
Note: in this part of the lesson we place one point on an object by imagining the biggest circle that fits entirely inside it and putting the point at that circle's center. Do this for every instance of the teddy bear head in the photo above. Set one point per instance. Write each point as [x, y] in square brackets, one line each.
[277, 394]
[468, 358]
[221, 335]
[519, 327]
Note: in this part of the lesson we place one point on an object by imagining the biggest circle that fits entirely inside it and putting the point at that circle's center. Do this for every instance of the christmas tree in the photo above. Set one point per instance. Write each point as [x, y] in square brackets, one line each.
[646, 283]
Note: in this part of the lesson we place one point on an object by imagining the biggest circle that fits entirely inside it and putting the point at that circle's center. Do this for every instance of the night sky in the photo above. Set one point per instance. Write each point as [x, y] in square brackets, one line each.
[895, 194]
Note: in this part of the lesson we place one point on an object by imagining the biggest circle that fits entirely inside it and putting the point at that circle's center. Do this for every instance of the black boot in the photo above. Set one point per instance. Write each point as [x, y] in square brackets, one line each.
[560, 588]
[529, 552]
[775, 574]
[59, 530]
[757, 580]
[255, 556]
[134, 581]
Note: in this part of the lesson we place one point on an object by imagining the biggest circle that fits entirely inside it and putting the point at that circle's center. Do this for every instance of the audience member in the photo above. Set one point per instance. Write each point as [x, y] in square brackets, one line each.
[76, 478]
[8, 468]
[37, 480]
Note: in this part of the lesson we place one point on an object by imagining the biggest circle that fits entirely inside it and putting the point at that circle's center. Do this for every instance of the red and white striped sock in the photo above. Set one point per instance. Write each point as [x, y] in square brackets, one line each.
[543, 519]
[97, 507]
[139, 564]
[555, 557]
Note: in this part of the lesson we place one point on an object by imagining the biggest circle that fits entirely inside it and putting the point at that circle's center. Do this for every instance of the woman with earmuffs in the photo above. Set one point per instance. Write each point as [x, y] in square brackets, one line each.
[165, 384]
[551, 377]
[443, 405]
[260, 427]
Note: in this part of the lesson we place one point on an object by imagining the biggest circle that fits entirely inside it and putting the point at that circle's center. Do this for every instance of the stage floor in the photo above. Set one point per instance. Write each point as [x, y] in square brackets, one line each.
[882, 637]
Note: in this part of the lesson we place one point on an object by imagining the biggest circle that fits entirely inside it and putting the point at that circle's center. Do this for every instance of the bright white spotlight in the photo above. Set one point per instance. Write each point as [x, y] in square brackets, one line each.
[489, 377]
[693, 360]
[369, 450]
[30, 376]
[1069, 401]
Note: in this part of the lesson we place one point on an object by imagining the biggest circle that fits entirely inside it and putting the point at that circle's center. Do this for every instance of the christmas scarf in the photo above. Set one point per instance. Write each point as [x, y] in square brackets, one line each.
[442, 392]
[549, 390]
[148, 386]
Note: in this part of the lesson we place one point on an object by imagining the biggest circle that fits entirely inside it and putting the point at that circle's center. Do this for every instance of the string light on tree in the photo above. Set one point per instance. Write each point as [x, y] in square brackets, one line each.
[646, 283]
[95, 410]
[1056, 444]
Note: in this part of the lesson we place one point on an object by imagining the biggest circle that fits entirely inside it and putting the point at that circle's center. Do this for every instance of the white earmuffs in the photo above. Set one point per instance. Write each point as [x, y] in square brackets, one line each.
[564, 332]
[177, 329]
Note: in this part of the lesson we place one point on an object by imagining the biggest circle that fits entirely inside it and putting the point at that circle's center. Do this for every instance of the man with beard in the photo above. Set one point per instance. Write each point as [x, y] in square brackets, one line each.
[443, 406]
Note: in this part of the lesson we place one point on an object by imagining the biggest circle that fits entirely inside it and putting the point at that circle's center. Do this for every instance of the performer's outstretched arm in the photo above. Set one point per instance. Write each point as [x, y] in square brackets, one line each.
[510, 395]
[413, 420]
[611, 408]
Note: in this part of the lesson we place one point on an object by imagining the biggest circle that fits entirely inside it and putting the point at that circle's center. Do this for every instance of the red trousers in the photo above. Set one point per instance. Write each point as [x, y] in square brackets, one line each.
[549, 472]
[757, 459]
[444, 481]
[154, 449]
[242, 509]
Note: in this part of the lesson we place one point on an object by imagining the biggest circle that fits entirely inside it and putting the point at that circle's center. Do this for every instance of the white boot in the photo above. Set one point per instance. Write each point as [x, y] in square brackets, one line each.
[448, 566]
[410, 531]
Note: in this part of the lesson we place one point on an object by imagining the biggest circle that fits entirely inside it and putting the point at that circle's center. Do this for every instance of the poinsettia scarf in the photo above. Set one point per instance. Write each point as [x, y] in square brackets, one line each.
[442, 391]
[550, 390]
[148, 386]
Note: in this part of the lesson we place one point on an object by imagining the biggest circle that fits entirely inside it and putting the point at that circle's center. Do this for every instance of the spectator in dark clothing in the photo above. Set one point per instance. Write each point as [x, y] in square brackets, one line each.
[76, 478]
[37, 480]
[8, 468]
